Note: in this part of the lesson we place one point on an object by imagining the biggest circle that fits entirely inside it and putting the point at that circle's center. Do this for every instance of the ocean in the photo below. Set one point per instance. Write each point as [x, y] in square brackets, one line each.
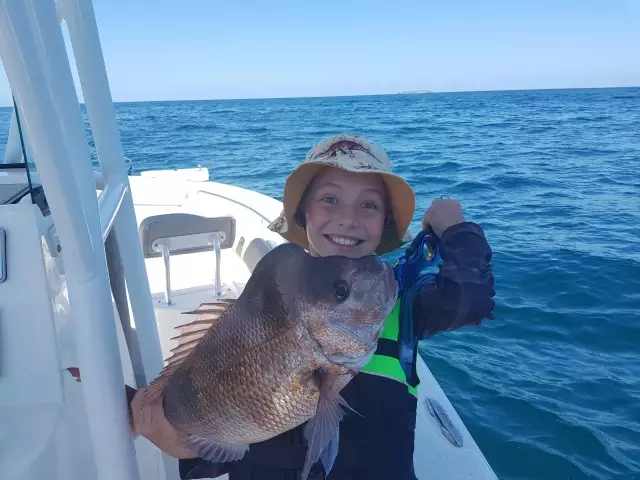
[549, 389]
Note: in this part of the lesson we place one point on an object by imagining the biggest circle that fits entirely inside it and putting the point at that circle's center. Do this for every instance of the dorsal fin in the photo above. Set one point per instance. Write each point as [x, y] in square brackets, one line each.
[190, 335]
[194, 327]
[185, 346]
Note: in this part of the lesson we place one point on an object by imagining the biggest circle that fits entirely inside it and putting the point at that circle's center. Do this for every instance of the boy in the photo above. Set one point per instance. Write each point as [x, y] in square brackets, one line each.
[344, 200]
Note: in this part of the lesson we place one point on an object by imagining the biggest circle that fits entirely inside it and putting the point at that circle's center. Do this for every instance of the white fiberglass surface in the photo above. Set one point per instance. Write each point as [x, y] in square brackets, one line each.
[435, 457]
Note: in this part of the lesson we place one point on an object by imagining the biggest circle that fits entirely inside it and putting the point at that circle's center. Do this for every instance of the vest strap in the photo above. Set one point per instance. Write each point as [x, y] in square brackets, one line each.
[390, 368]
[385, 361]
[388, 348]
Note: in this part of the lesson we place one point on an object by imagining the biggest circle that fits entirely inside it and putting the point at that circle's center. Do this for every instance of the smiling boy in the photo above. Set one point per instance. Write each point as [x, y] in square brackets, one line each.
[344, 200]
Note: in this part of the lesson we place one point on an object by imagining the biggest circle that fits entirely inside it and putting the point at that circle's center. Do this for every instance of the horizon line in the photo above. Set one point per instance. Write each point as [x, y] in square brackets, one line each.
[404, 92]
[418, 92]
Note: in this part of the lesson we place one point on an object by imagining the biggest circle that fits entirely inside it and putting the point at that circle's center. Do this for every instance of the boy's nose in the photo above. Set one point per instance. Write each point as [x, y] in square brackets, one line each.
[348, 216]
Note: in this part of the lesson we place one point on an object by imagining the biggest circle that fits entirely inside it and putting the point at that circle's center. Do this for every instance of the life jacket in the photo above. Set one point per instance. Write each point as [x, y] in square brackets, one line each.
[395, 356]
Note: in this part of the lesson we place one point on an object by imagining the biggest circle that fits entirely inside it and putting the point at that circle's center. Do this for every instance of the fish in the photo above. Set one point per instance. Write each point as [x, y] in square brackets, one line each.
[248, 369]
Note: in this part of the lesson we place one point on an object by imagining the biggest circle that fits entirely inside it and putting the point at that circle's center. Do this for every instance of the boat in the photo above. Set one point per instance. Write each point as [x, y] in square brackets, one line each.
[97, 267]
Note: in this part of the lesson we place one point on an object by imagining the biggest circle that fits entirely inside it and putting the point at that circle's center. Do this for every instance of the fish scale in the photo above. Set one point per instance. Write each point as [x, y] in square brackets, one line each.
[241, 419]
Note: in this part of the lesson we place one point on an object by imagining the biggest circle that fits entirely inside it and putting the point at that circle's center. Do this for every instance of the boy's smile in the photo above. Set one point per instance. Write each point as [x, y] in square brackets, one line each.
[344, 240]
[345, 213]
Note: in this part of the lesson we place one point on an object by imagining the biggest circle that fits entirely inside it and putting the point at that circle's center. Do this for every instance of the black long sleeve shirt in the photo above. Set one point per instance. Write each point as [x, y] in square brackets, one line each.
[463, 290]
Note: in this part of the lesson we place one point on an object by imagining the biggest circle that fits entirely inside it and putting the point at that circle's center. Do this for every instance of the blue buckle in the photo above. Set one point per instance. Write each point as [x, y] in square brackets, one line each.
[422, 251]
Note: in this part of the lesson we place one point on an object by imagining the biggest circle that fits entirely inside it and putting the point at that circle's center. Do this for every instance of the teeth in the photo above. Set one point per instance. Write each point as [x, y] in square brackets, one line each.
[350, 242]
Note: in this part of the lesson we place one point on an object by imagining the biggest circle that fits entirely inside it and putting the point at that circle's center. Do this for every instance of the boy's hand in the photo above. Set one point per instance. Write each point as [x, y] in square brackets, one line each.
[442, 214]
[151, 423]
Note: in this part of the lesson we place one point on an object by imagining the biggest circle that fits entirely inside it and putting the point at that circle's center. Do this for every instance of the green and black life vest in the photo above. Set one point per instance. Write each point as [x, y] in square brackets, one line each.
[397, 350]
[386, 359]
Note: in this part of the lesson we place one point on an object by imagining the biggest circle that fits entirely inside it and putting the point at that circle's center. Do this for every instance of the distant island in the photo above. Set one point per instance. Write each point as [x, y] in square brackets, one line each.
[414, 92]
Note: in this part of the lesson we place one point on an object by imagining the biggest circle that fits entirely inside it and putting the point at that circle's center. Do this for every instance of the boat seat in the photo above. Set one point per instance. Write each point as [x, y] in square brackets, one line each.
[170, 234]
[254, 252]
[256, 249]
[186, 233]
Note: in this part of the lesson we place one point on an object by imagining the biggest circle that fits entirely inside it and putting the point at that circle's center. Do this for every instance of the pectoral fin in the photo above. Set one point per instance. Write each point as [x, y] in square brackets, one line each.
[214, 450]
[322, 430]
[329, 454]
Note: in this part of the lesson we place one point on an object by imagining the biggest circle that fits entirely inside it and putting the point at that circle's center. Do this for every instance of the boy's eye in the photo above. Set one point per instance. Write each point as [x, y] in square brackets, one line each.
[329, 199]
[370, 205]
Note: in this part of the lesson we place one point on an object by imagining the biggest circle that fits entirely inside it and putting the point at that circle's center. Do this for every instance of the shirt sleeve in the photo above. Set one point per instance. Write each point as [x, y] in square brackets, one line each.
[463, 290]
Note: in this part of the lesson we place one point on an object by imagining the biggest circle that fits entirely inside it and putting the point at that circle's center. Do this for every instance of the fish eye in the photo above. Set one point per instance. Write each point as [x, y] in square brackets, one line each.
[341, 290]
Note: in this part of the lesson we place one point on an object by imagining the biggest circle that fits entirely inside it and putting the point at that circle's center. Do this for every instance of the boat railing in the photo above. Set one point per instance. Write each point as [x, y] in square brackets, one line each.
[37, 66]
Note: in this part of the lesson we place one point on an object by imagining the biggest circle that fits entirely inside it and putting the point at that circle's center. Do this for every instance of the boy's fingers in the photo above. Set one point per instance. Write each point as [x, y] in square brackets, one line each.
[151, 423]
[140, 416]
[441, 214]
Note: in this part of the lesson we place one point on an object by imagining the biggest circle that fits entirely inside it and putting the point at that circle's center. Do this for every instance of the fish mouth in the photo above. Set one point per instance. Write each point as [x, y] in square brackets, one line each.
[356, 345]
[355, 363]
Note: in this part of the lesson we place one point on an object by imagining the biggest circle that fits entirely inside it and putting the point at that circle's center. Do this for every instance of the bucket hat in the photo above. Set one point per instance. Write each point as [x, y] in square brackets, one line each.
[352, 153]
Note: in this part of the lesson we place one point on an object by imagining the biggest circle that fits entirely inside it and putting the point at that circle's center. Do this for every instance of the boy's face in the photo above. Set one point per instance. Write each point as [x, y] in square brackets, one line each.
[345, 213]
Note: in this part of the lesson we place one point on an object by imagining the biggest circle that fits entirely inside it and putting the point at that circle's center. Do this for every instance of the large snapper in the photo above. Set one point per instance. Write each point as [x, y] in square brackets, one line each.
[247, 370]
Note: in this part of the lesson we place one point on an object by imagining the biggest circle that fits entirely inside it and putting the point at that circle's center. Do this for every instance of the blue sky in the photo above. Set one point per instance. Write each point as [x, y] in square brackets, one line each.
[202, 49]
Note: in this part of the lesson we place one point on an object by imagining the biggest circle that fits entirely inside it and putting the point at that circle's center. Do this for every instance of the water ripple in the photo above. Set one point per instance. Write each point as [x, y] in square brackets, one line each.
[550, 389]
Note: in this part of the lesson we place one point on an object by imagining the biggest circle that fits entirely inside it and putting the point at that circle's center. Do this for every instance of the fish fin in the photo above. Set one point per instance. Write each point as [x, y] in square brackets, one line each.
[178, 357]
[194, 328]
[215, 450]
[208, 315]
[211, 310]
[156, 387]
[329, 454]
[184, 347]
[322, 432]
[189, 338]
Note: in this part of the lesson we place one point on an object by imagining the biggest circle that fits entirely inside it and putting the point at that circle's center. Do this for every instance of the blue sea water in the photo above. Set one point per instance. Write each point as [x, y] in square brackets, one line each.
[549, 389]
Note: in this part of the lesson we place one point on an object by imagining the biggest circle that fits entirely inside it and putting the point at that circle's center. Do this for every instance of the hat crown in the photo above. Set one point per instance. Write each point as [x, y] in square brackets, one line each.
[351, 152]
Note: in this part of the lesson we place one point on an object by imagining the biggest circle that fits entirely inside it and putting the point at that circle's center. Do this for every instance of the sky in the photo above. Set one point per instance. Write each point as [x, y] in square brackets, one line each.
[209, 49]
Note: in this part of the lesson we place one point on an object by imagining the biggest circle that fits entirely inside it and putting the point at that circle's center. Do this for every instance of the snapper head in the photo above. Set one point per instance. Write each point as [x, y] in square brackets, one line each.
[353, 298]
[343, 302]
